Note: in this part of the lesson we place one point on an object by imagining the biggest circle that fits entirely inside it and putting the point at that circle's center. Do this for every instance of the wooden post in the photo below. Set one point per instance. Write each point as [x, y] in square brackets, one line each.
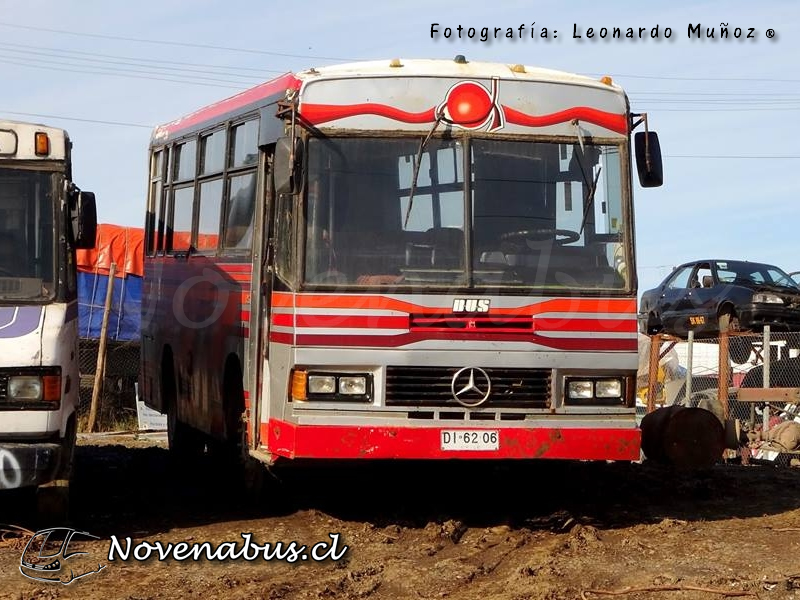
[724, 363]
[652, 373]
[101, 351]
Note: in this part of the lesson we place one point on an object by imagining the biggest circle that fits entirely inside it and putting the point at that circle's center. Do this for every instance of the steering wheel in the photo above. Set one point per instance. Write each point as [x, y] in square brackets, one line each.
[559, 236]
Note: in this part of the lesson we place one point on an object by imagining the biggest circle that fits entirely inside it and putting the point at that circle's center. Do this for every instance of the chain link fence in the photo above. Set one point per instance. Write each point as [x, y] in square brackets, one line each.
[116, 406]
[728, 374]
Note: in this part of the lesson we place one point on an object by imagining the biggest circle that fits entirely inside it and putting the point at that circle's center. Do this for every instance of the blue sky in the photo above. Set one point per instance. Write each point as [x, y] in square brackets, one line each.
[723, 108]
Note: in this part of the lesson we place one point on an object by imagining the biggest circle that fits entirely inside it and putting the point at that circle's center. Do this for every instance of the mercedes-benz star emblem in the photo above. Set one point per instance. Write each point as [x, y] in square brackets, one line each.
[471, 386]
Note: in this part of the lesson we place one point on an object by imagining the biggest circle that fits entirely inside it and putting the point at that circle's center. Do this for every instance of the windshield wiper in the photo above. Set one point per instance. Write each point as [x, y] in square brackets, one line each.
[590, 199]
[593, 186]
[417, 164]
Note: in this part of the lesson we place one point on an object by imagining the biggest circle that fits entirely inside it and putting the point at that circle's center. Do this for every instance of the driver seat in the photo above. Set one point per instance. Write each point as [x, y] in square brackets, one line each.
[442, 247]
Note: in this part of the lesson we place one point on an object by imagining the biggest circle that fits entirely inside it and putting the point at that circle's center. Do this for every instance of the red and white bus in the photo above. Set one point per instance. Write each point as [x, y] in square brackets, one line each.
[416, 259]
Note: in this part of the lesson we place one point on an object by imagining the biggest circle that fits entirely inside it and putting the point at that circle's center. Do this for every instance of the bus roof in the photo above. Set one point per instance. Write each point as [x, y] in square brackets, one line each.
[18, 141]
[450, 68]
[276, 89]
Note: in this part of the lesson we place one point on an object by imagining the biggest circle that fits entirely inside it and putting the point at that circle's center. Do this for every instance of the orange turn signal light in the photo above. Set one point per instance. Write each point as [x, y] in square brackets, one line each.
[51, 388]
[42, 143]
[299, 391]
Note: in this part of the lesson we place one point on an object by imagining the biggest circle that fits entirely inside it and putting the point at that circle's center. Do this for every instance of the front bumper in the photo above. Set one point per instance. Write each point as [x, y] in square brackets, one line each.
[290, 440]
[779, 318]
[28, 464]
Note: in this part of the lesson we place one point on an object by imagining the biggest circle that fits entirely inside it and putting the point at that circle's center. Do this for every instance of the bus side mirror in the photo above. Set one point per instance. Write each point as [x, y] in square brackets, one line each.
[285, 165]
[84, 220]
[648, 159]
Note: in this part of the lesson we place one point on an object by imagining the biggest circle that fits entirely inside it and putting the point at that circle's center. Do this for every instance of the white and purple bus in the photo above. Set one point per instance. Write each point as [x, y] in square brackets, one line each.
[44, 218]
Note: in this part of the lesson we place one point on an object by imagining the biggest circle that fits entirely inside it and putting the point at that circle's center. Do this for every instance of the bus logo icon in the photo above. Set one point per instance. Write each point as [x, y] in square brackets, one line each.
[471, 386]
[46, 553]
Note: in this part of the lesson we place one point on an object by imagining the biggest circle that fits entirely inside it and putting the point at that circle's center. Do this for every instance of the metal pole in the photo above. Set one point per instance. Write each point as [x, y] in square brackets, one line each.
[766, 349]
[687, 396]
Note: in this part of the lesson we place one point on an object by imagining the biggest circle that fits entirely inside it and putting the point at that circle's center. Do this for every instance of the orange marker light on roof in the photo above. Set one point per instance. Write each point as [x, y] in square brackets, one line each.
[607, 80]
[42, 144]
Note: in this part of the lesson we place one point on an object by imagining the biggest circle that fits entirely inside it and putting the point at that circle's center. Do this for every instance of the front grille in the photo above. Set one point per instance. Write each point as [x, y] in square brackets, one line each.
[472, 322]
[431, 387]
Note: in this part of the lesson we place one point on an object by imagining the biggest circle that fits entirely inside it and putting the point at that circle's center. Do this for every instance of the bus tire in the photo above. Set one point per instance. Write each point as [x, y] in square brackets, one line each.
[235, 437]
[53, 497]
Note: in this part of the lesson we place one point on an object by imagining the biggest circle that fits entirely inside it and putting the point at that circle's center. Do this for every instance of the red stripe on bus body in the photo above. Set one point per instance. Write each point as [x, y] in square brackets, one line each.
[612, 121]
[247, 97]
[283, 319]
[353, 321]
[594, 325]
[368, 302]
[244, 278]
[395, 341]
[403, 322]
[236, 267]
[281, 338]
[322, 113]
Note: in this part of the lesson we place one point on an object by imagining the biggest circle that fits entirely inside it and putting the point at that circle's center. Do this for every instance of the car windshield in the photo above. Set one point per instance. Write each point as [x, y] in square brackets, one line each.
[538, 215]
[27, 234]
[747, 273]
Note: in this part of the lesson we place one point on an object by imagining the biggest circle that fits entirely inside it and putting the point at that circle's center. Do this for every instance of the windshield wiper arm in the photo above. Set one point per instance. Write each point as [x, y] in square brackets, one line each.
[417, 164]
[590, 199]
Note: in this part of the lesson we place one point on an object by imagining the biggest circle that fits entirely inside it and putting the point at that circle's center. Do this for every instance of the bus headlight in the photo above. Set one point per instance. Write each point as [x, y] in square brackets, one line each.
[353, 385]
[608, 388]
[316, 386]
[321, 384]
[580, 389]
[605, 391]
[34, 392]
[25, 387]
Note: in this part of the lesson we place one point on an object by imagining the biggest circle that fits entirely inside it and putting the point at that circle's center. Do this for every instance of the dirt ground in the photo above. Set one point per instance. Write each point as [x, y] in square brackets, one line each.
[538, 531]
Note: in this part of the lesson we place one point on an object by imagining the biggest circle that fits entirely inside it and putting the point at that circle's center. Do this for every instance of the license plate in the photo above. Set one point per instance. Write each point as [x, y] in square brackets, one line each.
[470, 439]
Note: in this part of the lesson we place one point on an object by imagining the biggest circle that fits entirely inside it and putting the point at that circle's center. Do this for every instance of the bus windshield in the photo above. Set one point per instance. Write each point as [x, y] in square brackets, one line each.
[27, 234]
[540, 214]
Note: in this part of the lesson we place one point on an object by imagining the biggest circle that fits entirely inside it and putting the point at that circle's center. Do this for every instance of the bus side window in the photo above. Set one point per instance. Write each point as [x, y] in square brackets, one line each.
[180, 222]
[240, 211]
[154, 204]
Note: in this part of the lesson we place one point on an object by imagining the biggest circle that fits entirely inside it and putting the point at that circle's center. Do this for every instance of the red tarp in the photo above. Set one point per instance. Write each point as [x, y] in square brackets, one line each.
[115, 243]
[205, 241]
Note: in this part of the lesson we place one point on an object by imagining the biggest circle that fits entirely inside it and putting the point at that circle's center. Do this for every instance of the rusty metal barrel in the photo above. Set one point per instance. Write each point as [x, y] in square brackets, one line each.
[683, 437]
